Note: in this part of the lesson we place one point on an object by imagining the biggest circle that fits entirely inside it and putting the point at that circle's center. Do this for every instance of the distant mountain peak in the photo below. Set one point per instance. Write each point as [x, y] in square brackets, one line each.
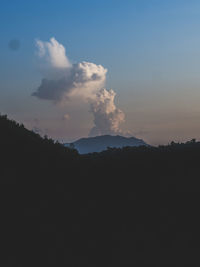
[102, 142]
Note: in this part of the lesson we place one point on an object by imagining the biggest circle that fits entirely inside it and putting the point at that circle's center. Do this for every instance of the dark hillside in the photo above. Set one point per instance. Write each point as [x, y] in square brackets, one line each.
[27, 152]
[134, 206]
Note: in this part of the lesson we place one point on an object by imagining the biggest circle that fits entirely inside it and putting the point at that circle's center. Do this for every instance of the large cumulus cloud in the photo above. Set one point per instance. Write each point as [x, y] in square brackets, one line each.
[84, 80]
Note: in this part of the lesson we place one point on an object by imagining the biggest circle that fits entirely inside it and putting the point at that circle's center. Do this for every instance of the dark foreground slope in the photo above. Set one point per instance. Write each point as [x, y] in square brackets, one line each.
[100, 143]
[122, 207]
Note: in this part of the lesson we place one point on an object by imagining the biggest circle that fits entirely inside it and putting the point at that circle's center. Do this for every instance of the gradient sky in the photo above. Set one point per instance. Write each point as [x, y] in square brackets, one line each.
[151, 49]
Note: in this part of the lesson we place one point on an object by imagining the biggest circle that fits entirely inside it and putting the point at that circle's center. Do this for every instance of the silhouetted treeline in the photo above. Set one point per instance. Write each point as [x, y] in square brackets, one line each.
[121, 207]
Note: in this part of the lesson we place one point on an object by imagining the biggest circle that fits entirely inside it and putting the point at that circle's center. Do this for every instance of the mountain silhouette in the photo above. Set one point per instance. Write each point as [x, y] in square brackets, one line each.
[130, 206]
[100, 143]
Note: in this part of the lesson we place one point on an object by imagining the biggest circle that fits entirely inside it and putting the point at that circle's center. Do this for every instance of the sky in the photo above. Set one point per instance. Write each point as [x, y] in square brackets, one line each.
[146, 51]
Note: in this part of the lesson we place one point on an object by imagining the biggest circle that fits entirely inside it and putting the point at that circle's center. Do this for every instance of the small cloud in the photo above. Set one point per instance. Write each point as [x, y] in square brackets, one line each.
[14, 44]
[54, 52]
[66, 117]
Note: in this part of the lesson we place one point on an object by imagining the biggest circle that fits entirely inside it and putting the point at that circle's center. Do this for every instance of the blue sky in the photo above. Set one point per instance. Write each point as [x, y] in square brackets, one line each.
[150, 48]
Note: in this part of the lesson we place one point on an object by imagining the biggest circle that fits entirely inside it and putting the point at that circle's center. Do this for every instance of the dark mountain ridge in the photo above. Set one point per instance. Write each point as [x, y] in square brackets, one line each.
[100, 143]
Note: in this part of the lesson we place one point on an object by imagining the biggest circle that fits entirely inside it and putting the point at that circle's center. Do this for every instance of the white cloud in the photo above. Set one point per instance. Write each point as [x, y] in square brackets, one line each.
[54, 52]
[66, 117]
[107, 117]
[80, 80]
[84, 80]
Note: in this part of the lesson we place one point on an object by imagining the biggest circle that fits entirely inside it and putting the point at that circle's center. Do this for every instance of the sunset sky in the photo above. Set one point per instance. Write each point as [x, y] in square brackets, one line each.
[150, 49]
